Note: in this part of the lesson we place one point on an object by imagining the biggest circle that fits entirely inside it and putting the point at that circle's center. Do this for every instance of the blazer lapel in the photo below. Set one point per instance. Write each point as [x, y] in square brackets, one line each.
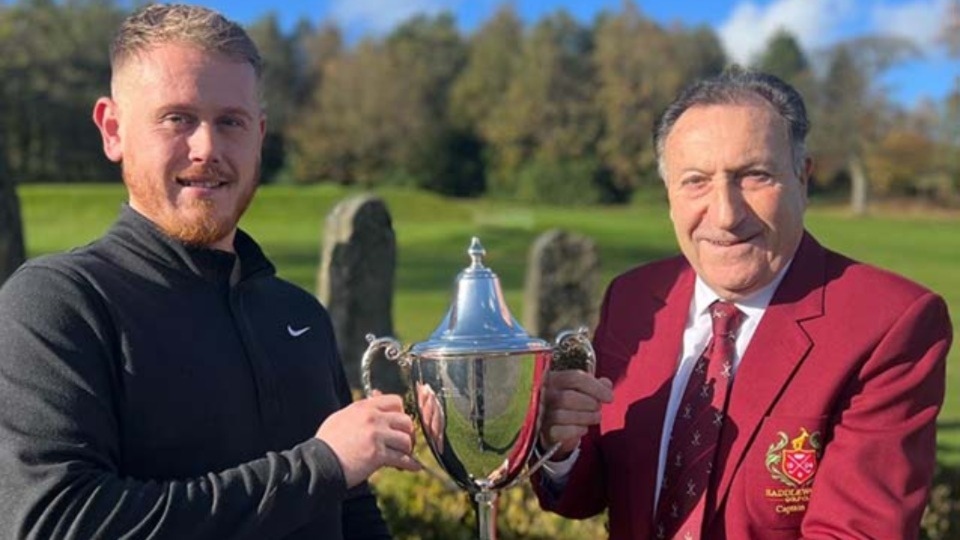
[777, 349]
[651, 376]
[656, 359]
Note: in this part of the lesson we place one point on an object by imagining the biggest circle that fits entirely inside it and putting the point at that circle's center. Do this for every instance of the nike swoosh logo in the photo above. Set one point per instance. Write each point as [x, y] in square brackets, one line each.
[297, 332]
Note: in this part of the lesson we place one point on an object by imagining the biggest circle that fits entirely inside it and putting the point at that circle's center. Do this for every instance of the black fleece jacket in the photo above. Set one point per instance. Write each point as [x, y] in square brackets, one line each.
[144, 393]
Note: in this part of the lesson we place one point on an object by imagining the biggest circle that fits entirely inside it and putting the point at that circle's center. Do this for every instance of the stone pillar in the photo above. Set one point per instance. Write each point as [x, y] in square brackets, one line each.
[356, 277]
[560, 293]
[11, 229]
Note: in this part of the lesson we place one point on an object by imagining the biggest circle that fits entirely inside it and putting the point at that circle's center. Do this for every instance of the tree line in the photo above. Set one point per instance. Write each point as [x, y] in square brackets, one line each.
[556, 110]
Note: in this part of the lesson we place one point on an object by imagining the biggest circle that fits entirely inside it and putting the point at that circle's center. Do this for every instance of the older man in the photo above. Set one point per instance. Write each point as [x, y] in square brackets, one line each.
[162, 382]
[758, 386]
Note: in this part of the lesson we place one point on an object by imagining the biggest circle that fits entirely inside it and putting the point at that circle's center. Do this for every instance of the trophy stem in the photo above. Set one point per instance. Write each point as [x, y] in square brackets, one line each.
[486, 504]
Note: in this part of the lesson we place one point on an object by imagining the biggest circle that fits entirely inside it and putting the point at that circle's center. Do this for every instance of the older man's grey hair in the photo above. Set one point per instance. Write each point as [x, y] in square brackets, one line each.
[738, 86]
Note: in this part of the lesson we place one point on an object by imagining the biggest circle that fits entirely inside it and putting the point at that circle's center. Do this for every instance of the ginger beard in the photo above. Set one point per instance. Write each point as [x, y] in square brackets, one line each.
[194, 221]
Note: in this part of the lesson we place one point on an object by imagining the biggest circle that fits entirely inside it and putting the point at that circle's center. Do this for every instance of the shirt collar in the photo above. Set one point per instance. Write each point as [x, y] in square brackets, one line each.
[754, 304]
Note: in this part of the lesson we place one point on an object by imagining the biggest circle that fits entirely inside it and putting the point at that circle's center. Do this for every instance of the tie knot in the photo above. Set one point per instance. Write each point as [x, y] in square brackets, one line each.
[726, 318]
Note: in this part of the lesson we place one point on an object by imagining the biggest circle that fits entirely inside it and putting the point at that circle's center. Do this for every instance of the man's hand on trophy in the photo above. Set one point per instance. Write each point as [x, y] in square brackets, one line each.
[572, 402]
[370, 434]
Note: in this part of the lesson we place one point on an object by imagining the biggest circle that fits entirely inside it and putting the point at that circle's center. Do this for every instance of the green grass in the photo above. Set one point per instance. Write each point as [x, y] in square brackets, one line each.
[433, 234]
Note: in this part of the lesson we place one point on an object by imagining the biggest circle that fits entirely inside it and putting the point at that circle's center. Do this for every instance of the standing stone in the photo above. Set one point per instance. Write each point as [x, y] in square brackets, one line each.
[11, 229]
[356, 276]
[563, 273]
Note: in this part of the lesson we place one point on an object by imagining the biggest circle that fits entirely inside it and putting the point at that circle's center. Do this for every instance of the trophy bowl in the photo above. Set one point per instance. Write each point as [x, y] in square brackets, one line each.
[475, 388]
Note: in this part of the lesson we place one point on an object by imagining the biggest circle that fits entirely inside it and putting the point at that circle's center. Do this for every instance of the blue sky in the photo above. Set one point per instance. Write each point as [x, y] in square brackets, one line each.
[743, 25]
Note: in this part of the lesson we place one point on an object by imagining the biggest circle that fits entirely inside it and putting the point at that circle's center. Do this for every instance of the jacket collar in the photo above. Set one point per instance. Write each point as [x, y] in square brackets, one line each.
[652, 367]
[137, 233]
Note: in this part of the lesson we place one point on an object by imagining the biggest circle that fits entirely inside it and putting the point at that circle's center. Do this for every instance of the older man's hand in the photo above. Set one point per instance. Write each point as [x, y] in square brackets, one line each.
[572, 402]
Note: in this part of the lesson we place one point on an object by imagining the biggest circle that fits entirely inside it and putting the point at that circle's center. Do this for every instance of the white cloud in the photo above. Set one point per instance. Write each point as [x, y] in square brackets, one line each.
[379, 16]
[814, 23]
[917, 20]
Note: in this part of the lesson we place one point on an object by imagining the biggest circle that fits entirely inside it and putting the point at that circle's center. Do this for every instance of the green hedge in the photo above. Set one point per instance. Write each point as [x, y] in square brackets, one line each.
[941, 520]
[421, 507]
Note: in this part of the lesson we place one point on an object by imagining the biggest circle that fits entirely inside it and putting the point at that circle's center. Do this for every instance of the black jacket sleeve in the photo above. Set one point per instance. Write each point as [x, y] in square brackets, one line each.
[59, 440]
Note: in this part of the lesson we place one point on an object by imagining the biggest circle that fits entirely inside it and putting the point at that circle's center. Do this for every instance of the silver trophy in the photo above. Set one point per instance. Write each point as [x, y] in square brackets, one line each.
[475, 387]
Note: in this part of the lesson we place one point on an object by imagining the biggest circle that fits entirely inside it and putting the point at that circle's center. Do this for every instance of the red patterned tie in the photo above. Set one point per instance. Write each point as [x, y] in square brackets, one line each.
[696, 430]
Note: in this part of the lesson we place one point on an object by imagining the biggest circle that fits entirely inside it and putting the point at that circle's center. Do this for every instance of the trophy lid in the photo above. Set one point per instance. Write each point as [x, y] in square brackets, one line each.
[478, 321]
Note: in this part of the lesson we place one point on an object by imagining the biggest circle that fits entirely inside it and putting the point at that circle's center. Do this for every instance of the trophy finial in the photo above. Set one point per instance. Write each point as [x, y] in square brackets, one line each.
[476, 253]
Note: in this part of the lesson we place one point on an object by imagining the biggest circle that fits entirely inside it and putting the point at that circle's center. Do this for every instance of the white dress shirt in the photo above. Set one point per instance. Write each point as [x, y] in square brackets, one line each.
[696, 335]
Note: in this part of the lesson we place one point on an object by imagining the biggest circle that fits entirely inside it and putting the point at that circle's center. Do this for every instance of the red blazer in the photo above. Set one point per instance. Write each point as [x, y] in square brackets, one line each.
[830, 428]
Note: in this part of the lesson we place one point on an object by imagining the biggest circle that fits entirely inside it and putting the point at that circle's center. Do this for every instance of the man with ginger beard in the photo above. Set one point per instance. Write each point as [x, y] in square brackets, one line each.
[758, 385]
[162, 382]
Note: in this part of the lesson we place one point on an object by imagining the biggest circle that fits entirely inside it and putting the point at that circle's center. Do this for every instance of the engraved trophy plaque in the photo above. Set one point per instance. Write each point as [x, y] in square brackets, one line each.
[476, 388]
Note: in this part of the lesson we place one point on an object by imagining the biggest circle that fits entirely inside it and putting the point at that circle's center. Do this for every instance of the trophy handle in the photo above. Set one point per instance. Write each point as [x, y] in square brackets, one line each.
[391, 350]
[567, 342]
[570, 340]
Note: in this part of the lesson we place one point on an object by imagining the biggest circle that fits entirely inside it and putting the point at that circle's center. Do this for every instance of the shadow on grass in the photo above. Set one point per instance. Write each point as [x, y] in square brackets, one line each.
[949, 425]
[434, 266]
